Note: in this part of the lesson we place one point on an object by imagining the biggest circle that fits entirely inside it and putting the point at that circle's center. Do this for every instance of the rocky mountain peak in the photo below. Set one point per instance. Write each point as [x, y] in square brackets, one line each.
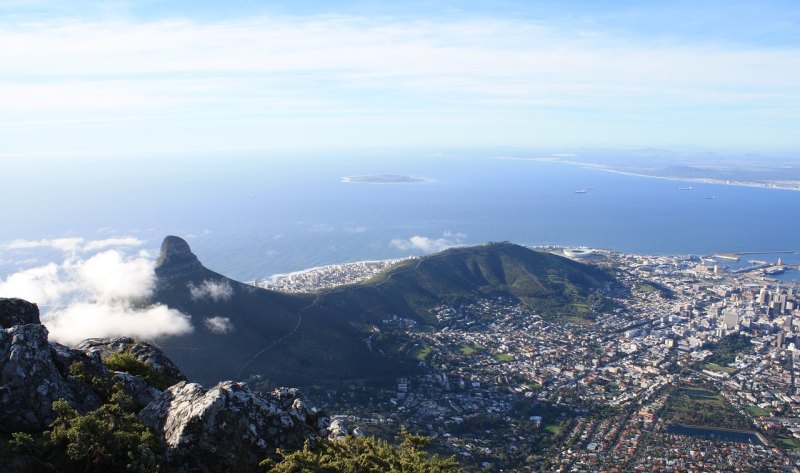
[17, 312]
[176, 259]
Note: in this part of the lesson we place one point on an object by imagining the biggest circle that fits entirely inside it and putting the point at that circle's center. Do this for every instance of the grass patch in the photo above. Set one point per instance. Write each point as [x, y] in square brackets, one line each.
[470, 349]
[758, 411]
[581, 308]
[789, 442]
[503, 357]
[554, 429]
[419, 353]
[698, 405]
[719, 368]
[645, 288]
[574, 319]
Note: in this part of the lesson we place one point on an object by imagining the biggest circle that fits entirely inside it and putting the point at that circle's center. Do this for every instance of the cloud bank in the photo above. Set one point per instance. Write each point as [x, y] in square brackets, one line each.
[96, 296]
[429, 245]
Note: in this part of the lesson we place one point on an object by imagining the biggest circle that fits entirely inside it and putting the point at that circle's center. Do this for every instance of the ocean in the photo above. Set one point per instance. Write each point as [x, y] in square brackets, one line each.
[249, 216]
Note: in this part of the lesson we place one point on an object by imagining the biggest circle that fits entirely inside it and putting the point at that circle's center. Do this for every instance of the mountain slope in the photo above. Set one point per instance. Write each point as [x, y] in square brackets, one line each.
[241, 330]
[307, 339]
[549, 283]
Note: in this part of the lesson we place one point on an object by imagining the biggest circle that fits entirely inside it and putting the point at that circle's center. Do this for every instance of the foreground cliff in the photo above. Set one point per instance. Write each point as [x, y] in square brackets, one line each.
[116, 400]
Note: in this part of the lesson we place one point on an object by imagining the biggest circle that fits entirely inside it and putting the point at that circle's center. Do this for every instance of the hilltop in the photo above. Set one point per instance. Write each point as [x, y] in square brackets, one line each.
[330, 336]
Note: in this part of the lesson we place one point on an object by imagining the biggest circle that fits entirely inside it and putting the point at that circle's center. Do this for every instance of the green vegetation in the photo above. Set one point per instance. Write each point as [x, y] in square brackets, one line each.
[110, 438]
[554, 429]
[789, 442]
[650, 287]
[549, 284]
[503, 357]
[720, 369]
[470, 349]
[699, 405]
[724, 352]
[364, 454]
[130, 364]
[758, 411]
[420, 353]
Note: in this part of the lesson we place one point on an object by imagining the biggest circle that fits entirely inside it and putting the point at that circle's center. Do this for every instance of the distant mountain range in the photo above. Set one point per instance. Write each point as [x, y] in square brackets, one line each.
[308, 339]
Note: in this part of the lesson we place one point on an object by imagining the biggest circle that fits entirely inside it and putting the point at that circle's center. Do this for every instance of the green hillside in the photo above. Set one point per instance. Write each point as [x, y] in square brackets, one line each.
[335, 335]
[551, 284]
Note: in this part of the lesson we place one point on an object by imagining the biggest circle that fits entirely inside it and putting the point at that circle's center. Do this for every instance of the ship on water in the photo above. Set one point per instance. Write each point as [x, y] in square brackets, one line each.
[686, 188]
[581, 191]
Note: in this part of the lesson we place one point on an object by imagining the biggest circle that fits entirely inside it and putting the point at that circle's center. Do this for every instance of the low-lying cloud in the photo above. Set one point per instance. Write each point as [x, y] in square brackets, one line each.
[429, 245]
[96, 296]
[73, 244]
[85, 319]
[215, 290]
[219, 325]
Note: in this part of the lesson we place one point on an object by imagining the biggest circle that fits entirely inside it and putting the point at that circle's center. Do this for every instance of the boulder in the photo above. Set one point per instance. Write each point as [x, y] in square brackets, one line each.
[227, 427]
[30, 380]
[17, 312]
[144, 352]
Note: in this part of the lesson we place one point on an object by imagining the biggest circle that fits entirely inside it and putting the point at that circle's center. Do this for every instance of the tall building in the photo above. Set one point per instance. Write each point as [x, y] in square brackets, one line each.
[730, 318]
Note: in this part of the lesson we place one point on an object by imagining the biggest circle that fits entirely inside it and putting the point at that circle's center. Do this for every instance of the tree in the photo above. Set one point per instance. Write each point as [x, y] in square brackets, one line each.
[364, 455]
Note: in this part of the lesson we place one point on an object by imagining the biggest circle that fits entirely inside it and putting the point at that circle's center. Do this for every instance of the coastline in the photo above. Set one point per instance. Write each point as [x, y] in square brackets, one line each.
[702, 180]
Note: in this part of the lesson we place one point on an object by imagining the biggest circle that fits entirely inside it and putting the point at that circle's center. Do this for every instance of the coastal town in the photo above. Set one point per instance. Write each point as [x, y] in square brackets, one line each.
[690, 366]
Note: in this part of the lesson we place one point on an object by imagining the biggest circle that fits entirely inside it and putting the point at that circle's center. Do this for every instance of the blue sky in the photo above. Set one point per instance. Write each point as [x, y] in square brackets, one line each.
[185, 76]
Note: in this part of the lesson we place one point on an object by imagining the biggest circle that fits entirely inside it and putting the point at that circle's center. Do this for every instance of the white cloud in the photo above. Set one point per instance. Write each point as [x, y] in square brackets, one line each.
[219, 325]
[72, 244]
[45, 285]
[429, 245]
[111, 276]
[215, 290]
[355, 229]
[63, 244]
[111, 243]
[85, 320]
[262, 61]
[96, 297]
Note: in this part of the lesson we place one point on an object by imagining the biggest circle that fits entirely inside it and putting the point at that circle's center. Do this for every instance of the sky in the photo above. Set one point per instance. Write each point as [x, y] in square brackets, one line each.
[132, 77]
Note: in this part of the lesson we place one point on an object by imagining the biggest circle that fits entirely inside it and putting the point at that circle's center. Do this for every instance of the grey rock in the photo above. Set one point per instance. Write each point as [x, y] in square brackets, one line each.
[337, 430]
[176, 260]
[144, 352]
[30, 380]
[227, 427]
[17, 312]
[135, 387]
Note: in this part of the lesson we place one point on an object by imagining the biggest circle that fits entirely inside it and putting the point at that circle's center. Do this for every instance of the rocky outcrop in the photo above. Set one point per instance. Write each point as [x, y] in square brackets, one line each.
[225, 428]
[17, 312]
[176, 260]
[30, 380]
[144, 352]
[228, 427]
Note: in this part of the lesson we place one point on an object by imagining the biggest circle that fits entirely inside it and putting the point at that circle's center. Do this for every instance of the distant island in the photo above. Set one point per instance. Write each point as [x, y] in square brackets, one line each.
[383, 179]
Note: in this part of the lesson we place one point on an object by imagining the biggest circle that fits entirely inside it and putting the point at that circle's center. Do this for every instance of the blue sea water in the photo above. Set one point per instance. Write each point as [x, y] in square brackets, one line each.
[249, 216]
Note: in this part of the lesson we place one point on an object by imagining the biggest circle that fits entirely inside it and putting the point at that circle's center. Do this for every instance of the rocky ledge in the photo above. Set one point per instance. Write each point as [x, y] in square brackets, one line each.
[197, 426]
